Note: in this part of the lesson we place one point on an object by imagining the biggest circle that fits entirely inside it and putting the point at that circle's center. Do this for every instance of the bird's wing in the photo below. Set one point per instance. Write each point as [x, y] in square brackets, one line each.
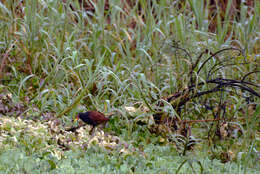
[99, 119]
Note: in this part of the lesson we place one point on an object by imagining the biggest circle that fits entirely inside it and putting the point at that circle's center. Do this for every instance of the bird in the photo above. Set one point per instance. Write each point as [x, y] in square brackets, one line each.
[93, 118]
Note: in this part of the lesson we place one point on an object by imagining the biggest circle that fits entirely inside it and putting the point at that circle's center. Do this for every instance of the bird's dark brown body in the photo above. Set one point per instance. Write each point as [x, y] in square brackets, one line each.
[93, 118]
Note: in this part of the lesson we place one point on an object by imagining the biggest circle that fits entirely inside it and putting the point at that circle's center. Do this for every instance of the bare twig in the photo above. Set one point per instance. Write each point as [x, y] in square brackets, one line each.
[5, 57]
[214, 54]
[206, 120]
[195, 65]
[249, 74]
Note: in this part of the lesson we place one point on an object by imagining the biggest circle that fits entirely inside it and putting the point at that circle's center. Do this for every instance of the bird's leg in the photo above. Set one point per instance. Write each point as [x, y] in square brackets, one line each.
[91, 132]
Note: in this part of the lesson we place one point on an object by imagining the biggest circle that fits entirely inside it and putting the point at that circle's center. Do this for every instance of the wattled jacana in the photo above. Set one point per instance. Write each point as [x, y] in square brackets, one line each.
[93, 118]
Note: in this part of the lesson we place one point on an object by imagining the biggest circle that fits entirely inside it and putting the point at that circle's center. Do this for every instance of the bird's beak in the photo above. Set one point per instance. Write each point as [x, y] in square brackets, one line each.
[76, 119]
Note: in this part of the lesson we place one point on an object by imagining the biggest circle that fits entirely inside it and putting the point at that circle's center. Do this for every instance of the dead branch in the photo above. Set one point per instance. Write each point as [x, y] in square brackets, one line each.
[206, 120]
[5, 57]
[219, 84]
[214, 54]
